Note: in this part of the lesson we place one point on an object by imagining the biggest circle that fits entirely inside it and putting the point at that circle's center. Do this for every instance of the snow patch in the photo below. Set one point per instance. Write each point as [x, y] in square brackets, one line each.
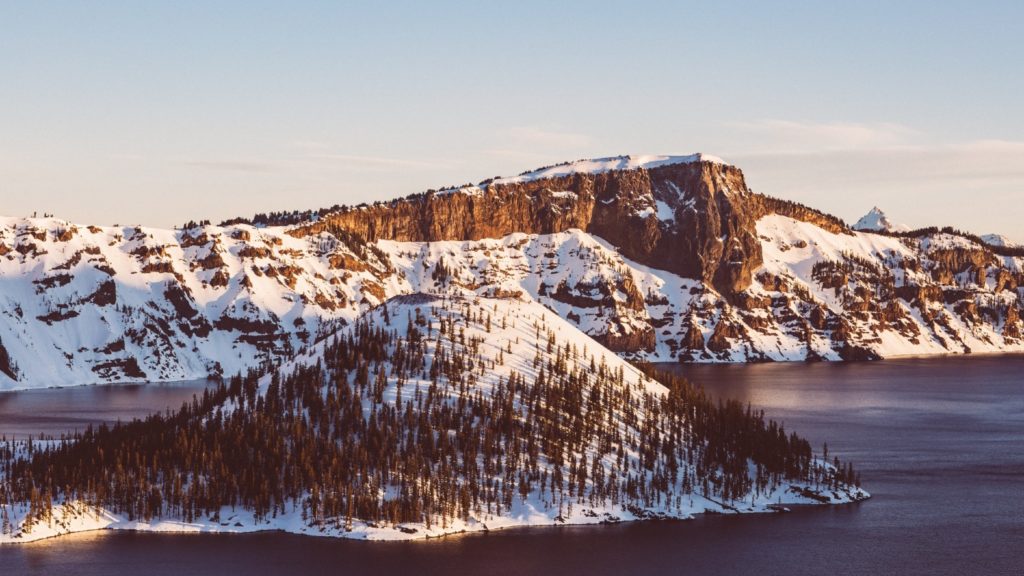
[613, 163]
[1000, 240]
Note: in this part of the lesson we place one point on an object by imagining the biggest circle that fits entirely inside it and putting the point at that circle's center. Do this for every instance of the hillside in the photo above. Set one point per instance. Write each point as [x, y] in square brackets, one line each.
[427, 416]
[658, 258]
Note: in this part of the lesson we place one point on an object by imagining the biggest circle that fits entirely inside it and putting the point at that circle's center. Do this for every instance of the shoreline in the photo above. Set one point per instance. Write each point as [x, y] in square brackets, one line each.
[210, 381]
[290, 523]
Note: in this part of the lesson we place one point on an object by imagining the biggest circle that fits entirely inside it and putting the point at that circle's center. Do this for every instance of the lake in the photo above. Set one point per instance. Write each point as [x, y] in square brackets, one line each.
[53, 411]
[939, 443]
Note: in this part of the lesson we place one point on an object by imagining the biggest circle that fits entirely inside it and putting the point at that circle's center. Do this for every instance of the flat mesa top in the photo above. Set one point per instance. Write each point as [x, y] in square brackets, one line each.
[599, 165]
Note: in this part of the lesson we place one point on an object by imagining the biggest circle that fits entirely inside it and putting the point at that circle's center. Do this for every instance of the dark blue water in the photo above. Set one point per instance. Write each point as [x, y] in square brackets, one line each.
[54, 411]
[940, 444]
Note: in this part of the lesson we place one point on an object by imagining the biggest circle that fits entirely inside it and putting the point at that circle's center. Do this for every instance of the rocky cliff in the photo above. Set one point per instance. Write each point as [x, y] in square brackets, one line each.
[694, 216]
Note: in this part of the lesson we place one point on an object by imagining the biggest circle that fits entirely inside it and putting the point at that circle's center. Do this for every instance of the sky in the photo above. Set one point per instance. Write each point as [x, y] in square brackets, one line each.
[156, 113]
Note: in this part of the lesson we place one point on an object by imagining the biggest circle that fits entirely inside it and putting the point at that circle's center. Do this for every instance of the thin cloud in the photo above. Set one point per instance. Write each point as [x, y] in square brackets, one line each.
[232, 165]
[538, 145]
[309, 144]
[378, 162]
[547, 138]
[988, 160]
[775, 136]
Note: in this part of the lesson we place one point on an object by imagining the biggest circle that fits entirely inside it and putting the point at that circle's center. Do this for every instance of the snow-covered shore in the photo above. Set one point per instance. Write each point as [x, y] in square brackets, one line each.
[76, 517]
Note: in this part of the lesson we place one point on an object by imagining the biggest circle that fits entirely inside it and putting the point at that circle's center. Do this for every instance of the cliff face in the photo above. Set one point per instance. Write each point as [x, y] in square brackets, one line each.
[663, 261]
[469, 214]
[694, 218]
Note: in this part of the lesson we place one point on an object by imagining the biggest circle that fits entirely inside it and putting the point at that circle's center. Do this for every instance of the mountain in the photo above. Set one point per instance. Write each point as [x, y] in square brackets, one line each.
[427, 416]
[1000, 241]
[658, 258]
[876, 221]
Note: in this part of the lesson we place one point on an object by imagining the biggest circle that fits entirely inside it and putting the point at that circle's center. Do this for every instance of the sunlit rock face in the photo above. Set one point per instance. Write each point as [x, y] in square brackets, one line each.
[694, 217]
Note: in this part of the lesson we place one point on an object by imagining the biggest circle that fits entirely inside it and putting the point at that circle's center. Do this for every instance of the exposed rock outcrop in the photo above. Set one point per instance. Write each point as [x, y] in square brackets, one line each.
[692, 218]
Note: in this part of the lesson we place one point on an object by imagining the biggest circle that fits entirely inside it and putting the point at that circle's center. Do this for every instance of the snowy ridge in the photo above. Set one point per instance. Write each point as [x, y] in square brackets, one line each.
[612, 163]
[1000, 240]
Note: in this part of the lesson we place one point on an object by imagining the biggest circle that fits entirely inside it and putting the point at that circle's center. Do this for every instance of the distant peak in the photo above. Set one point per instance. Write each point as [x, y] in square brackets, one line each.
[877, 221]
[999, 240]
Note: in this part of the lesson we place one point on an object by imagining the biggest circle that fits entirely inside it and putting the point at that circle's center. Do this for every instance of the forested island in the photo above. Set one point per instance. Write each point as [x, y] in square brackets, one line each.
[429, 415]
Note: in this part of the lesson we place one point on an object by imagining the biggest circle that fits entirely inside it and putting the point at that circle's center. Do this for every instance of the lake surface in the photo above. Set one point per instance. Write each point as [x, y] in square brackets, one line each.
[939, 442]
[54, 411]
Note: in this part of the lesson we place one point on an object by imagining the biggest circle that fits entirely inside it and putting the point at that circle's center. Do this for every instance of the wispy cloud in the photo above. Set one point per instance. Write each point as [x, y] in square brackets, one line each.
[316, 161]
[537, 144]
[545, 137]
[309, 144]
[125, 156]
[378, 162]
[233, 165]
[794, 137]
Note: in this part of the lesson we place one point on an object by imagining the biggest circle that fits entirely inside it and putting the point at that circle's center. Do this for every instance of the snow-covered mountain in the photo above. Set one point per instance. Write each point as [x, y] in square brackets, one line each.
[657, 258]
[1000, 240]
[876, 221]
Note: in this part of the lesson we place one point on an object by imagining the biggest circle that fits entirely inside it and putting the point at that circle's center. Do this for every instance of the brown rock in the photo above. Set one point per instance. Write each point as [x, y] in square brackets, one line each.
[634, 341]
[158, 267]
[607, 204]
[694, 339]
[220, 279]
[346, 262]
[725, 331]
[1011, 328]
[250, 251]
[818, 317]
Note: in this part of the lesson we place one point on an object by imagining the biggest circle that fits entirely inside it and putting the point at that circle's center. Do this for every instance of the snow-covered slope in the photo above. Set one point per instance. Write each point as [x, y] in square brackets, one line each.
[478, 373]
[876, 221]
[104, 304]
[878, 296]
[1000, 240]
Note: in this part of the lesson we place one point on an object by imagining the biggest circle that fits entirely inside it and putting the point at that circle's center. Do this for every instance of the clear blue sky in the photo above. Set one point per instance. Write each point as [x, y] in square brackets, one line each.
[158, 112]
